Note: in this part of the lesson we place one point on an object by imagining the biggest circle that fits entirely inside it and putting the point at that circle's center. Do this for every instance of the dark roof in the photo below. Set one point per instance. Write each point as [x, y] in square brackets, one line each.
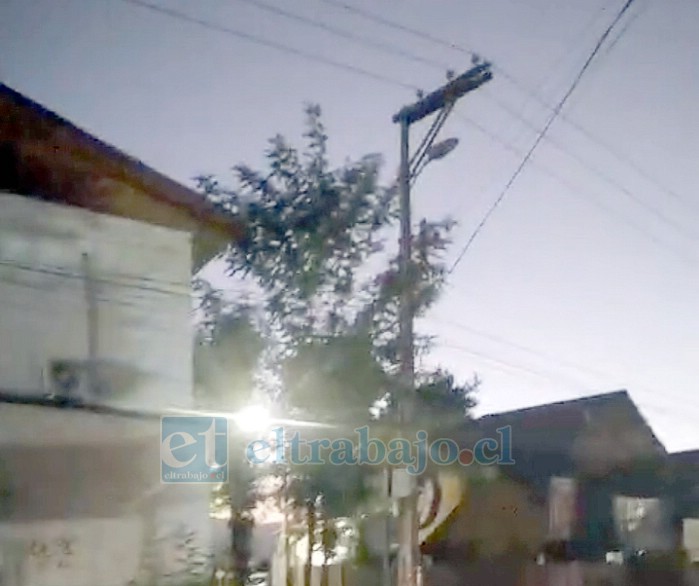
[44, 155]
[555, 426]
[685, 473]
[544, 437]
[687, 458]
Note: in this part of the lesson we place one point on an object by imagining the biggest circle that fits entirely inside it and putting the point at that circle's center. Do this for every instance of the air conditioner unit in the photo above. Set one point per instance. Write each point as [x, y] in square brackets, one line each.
[68, 380]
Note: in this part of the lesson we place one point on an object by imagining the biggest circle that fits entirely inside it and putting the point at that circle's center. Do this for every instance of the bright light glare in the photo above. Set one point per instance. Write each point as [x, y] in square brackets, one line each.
[253, 418]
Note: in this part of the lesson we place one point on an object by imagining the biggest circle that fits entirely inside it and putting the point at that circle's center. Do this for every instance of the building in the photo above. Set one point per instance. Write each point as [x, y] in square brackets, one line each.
[684, 467]
[583, 471]
[97, 251]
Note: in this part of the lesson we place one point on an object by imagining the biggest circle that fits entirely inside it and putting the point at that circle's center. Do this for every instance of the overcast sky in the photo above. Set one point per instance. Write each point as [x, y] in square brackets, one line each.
[584, 280]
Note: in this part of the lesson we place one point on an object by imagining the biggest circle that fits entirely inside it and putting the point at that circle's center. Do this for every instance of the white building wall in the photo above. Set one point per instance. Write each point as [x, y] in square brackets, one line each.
[98, 515]
[690, 539]
[108, 552]
[79, 552]
[141, 281]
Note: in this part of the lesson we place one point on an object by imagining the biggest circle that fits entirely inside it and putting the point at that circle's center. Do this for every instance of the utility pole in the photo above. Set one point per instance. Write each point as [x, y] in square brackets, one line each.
[442, 100]
[92, 325]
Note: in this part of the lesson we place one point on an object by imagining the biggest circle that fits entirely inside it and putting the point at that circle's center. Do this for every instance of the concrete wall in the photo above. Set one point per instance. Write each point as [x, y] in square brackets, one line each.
[98, 516]
[83, 552]
[82, 502]
[109, 551]
[141, 278]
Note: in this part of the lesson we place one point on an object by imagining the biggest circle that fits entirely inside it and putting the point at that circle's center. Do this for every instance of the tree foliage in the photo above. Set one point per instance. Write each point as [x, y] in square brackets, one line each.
[227, 351]
[319, 247]
[312, 234]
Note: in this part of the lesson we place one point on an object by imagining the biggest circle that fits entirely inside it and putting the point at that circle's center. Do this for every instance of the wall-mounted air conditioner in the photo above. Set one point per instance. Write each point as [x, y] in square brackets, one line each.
[68, 380]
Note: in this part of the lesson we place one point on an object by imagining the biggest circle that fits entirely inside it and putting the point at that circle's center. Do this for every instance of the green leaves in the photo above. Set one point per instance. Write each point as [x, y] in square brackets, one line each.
[339, 489]
[328, 373]
[227, 351]
[309, 228]
[317, 248]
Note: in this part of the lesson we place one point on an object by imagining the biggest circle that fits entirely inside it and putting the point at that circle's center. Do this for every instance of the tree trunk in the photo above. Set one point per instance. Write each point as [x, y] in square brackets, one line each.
[241, 528]
[311, 520]
[327, 551]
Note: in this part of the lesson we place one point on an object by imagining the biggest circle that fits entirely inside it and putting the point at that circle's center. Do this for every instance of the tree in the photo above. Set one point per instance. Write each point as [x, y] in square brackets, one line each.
[329, 318]
[326, 492]
[227, 350]
[312, 232]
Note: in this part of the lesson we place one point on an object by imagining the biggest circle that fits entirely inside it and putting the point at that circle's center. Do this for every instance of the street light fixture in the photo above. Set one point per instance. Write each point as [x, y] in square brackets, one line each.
[441, 149]
[433, 152]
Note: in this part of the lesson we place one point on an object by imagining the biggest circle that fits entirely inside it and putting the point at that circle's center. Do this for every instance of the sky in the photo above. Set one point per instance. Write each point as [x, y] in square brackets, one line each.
[584, 279]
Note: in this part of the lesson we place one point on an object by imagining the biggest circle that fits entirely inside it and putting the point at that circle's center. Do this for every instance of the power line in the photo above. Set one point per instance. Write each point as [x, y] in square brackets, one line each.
[573, 47]
[252, 38]
[376, 18]
[545, 356]
[679, 253]
[505, 366]
[337, 31]
[504, 363]
[365, 41]
[372, 16]
[541, 135]
[249, 37]
[625, 29]
[599, 173]
[138, 302]
[515, 345]
[392, 49]
[98, 279]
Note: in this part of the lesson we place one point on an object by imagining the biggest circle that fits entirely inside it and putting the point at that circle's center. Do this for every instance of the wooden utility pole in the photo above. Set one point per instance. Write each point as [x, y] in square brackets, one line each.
[442, 100]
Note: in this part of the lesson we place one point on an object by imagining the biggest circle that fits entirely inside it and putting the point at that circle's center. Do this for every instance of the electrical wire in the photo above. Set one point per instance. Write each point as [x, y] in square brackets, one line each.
[395, 50]
[625, 29]
[376, 18]
[559, 362]
[143, 305]
[502, 104]
[337, 64]
[573, 48]
[99, 279]
[540, 136]
[503, 363]
[506, 367]
[679, 253]
[251, 38]
[387, 48]
[353, 69]
[665, 219]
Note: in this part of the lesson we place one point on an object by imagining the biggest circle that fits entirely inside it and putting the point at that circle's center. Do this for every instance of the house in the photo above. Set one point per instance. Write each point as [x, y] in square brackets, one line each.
[582, 470]
[97, 251]
[588, 477]
[684, 471]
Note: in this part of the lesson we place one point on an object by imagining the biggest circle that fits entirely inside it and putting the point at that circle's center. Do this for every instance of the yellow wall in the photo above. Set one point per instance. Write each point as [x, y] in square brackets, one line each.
[499, 515]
